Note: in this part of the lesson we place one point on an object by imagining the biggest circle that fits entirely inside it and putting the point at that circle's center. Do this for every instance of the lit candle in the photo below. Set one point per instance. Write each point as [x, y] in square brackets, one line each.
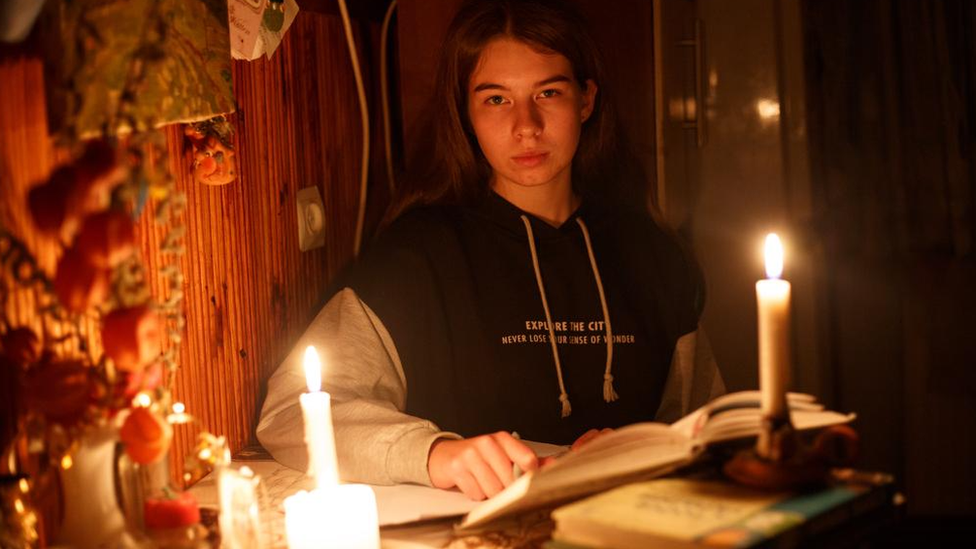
[773, 297]
[317, 412]
[340, 517]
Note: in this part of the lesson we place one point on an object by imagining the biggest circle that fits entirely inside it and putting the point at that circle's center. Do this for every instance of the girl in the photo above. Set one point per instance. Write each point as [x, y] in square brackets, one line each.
[521, 286]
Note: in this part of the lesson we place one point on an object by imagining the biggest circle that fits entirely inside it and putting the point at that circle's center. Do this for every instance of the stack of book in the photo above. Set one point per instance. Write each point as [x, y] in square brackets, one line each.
[677, 513]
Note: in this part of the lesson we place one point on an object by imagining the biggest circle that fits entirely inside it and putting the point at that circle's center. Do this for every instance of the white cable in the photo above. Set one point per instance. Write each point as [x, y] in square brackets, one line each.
[364, 116]
[384, 32]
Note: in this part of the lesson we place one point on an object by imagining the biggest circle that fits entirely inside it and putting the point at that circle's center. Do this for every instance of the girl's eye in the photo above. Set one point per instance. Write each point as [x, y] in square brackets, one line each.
[549, 93]
[495, 100]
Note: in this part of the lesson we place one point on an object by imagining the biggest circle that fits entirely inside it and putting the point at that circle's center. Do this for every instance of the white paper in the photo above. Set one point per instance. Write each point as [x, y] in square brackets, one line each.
[244, 17]
[396, 505]
[406, 503]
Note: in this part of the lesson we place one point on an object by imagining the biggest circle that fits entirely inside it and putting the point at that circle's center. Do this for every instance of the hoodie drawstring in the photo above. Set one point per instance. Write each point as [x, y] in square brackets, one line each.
[609, 395]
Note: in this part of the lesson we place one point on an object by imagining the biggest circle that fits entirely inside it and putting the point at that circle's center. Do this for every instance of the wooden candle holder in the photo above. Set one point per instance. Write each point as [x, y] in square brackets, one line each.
[781, 460]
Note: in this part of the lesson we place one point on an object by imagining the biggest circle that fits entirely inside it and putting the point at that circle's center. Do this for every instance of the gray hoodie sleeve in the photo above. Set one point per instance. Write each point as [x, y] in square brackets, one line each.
[694, 378]
[376, 442]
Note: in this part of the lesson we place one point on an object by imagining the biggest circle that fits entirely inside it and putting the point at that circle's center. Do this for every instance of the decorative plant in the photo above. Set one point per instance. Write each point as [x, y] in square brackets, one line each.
[116, 83]
[90, 204]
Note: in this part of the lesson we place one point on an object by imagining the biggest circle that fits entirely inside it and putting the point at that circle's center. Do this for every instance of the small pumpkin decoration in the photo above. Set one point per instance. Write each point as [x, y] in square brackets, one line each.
[131, 337]
[106, 238]
[79, 284]
[146, 436]
[74, 190]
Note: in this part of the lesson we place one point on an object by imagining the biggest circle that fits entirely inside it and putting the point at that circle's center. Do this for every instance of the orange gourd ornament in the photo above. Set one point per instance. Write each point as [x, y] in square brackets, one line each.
[78, 284]
[131, 337]
[146, 436]
[106, 238]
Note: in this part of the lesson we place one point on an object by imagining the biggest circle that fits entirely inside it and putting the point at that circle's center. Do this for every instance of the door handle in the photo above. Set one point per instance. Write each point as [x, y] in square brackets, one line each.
[697, 121]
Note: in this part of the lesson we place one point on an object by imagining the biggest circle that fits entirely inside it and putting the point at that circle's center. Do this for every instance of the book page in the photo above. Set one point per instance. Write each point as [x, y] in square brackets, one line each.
[737, 415]
[636, 451]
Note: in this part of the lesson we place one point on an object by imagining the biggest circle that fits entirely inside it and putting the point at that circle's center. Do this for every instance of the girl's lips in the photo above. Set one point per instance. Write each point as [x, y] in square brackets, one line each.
[530, 160]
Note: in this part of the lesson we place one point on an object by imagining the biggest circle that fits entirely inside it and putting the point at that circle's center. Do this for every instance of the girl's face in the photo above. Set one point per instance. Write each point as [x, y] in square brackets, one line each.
[527, 110]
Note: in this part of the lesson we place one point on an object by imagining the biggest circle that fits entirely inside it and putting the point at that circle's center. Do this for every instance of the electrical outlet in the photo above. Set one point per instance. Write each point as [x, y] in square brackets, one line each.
[311, 219]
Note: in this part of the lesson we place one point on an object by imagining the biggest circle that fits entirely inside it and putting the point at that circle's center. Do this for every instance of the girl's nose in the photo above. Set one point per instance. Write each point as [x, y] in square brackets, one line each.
[528, 122]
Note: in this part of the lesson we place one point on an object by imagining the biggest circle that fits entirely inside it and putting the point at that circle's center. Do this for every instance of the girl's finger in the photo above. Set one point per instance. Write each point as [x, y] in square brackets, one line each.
[517, 452]
[466, 482]
[483, 474]
[584, 438]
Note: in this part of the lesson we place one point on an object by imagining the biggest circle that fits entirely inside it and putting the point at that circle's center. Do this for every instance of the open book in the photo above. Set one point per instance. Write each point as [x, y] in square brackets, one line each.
[642, 451]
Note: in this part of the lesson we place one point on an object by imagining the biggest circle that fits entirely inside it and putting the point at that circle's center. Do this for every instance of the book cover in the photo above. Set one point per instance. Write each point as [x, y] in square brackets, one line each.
[677, 513]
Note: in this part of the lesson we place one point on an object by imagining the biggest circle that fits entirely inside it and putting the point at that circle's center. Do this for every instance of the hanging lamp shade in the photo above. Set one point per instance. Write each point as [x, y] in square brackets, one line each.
[138, 64]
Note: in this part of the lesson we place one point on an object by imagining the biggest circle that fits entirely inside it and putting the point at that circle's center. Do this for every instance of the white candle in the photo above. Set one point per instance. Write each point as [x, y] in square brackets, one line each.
[340, 517]
[317, 412]
[773, 297]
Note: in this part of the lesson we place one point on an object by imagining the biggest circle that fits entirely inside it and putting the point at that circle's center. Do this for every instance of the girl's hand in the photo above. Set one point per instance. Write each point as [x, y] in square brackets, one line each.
[589, 436]
[481, 466]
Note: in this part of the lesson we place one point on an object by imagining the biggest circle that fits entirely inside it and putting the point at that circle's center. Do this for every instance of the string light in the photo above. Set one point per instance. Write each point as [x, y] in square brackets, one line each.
[142, 400]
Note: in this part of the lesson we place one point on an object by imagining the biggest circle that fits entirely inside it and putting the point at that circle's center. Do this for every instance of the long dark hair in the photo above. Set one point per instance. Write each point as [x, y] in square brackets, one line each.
[446, 165]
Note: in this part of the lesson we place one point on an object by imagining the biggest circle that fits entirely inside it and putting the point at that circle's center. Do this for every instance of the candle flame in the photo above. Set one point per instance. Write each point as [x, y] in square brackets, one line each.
[774, 256]
[178, 408]
[313, 370]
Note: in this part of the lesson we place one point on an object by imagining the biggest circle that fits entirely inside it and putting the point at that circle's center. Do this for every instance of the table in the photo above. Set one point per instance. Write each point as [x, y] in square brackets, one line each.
[880, 508]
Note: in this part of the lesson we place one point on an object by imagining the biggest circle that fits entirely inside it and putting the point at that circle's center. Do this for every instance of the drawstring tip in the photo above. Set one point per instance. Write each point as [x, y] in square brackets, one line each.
[609, 395]
[567, 409]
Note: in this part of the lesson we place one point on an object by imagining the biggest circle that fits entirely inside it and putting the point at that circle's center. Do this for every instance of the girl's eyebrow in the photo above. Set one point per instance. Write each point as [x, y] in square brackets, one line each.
[551, 80]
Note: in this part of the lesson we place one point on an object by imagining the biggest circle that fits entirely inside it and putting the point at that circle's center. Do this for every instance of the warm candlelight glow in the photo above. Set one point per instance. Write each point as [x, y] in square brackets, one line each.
[142, 400]
[178, 415]
[340, 516]
[313, 370]
[774, 256]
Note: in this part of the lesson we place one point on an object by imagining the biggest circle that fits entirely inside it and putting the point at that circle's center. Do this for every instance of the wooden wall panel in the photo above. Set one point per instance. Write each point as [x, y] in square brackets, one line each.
[249, 291]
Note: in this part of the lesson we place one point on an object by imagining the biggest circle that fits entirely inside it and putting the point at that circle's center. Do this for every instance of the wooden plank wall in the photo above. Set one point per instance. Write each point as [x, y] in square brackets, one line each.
[249, 290]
